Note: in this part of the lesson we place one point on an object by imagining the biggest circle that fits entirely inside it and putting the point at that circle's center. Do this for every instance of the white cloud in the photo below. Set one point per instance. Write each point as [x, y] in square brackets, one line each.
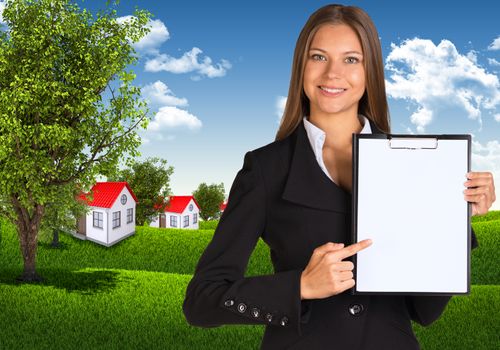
[280, 106]
[437, 77]
[472, 55]
[157, 35]
[487, 158]
[421, 118]
[173, 117]
[495, 45]
[493, 62]
[497, 117]
[2, 6]
[159, 93]
[188, 63]
[153, 40]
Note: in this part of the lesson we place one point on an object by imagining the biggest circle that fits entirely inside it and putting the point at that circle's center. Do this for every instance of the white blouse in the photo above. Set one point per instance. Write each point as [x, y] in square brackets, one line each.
[317, 139]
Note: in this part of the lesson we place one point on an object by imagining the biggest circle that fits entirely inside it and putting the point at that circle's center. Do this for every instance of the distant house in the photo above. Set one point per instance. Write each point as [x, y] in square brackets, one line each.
[222, 207]
[180, 212]
[112, 213]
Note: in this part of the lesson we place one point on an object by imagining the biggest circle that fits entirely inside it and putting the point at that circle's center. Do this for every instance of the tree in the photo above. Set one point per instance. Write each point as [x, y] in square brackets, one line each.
[62, 214]
[209, 198]
[149, 180]
[68, 109]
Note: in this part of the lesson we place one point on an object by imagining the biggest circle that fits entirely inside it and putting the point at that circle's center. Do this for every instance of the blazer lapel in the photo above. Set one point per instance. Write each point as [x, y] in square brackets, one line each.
[307, 184]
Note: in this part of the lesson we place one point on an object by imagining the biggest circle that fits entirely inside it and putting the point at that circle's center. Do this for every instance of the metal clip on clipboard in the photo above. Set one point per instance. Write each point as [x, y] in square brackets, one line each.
[413, 143]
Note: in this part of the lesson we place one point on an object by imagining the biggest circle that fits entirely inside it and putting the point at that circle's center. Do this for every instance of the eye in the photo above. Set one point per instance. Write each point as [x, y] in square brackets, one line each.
[352, 59]
[318, 57]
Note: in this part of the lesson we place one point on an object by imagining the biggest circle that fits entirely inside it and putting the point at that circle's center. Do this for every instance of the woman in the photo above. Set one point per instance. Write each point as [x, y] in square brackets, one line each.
[295, 193]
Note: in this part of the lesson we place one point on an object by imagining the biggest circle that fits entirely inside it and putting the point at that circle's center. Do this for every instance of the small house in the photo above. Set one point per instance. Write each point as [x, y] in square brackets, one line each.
[180, 212]
[222, 207]
[112, 213]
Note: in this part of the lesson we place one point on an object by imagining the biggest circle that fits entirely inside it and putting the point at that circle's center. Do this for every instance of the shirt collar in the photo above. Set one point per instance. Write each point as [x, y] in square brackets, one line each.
[317, 136]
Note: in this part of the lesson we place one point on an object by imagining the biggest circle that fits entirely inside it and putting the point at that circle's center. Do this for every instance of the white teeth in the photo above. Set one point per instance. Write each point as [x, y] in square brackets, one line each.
[333, 91]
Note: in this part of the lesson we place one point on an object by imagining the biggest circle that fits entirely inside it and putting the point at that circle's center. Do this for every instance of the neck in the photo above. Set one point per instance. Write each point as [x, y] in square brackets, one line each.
[338, 128]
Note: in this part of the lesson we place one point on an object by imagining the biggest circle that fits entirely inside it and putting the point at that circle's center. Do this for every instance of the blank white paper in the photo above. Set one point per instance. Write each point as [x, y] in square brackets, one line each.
[410, 203]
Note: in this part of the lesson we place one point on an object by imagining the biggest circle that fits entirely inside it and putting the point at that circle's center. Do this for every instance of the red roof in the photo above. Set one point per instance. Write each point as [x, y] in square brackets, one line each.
[223, 206]
[106, 193]
[177, 204]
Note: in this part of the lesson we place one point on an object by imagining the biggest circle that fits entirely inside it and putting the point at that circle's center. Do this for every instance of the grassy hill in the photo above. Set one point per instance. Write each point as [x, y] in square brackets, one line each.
[129, 296]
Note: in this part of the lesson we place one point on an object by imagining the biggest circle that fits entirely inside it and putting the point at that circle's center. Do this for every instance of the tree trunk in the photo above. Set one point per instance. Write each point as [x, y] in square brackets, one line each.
[27, 229]
[55, 239]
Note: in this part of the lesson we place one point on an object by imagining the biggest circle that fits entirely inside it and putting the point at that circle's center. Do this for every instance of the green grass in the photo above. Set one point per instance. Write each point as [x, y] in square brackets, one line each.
[208, 225]
[130, 296]
[150, 249]
[108, 309]
[468, 322]
[485, 261]
[491, 215]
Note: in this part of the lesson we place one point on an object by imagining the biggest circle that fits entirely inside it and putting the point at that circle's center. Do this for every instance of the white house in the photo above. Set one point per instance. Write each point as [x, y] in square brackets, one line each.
[180, 212]
[112, 213]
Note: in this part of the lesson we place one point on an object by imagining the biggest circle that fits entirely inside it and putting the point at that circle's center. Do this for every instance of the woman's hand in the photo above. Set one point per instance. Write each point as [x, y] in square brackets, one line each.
[326, 274]
[480, 191]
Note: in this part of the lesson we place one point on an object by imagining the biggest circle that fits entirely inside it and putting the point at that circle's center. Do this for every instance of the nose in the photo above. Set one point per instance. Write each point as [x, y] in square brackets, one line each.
[334, 69]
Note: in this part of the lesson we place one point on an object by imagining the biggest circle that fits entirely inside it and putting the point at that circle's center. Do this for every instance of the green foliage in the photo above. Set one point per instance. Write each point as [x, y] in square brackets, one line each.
[149, 179]
[62, 214]
[209, 198]
[57, 63]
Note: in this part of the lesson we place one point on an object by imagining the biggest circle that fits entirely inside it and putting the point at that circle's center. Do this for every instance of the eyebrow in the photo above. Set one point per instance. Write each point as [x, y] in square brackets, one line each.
[347, 52]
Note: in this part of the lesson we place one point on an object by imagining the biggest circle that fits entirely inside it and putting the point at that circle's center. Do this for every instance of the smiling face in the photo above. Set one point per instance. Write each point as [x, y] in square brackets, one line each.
[334, 74]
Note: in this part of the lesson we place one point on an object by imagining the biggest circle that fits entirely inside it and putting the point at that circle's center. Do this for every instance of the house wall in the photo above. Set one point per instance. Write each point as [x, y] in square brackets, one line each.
[94, 233]
[167, 219]
[124, 229]
[155, 222]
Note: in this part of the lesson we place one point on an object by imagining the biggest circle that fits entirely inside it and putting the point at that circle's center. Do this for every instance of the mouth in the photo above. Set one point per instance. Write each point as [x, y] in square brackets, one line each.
[332, 90]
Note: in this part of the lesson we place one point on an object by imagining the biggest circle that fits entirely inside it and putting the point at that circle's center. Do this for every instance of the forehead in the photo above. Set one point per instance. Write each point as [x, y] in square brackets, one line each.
[336, 37]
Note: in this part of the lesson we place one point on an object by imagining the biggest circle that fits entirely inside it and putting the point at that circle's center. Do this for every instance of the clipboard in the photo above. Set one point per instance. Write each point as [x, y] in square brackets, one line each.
[408, 198]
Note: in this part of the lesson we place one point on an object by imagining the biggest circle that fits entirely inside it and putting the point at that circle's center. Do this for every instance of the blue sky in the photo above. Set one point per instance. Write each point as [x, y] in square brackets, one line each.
[442, 74]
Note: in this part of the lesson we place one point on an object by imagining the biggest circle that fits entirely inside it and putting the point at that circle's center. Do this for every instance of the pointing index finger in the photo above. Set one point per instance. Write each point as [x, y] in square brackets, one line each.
[353, 249]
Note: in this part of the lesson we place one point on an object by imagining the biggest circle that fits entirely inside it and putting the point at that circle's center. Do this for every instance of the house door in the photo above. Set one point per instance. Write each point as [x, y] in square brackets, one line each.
[81, 225]
[163, 220]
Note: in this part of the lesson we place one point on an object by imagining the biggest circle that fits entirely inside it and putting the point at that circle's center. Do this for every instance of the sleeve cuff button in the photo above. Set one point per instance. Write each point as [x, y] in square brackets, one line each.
[242, 307]
[284, 321]
[229, 303]
[255, 312]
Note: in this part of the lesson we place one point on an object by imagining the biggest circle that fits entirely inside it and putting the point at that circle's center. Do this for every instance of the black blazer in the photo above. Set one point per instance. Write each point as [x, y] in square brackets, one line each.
[282, 195]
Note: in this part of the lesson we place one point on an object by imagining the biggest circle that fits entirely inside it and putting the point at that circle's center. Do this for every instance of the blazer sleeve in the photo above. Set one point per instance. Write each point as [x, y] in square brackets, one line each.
[219, 293]
[427, 309]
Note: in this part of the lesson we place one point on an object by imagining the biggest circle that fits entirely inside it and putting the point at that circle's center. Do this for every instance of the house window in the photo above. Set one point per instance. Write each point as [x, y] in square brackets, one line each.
[130, 215]
[190, 207]
[123, 199]
[186, 220]
[173, 221]
[98, 219]
[116, 219]
[195, 218]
